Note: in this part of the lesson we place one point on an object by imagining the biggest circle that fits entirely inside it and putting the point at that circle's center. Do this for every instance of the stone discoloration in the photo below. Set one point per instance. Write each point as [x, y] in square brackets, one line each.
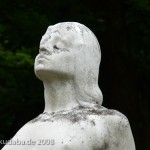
[93, 122]
[79, 114]
[105, 146]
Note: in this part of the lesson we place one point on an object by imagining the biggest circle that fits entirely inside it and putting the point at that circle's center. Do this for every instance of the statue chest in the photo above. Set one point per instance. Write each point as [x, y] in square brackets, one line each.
[87, 135]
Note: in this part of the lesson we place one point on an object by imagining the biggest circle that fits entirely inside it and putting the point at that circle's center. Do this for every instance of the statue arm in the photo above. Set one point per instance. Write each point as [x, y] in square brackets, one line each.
[122, 138]
[21, 135]
[126, 141]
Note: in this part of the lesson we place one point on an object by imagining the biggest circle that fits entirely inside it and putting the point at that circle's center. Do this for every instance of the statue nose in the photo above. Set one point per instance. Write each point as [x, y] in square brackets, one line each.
[45, 48]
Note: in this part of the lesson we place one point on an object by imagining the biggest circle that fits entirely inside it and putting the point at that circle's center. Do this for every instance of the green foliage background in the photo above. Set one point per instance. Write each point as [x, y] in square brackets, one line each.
[123, 30]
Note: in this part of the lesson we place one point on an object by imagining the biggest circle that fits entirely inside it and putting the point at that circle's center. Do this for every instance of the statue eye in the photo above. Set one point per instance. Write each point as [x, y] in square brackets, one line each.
[55, 47]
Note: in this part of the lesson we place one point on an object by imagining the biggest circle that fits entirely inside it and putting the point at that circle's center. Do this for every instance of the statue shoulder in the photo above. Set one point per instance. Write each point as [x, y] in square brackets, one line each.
[116, 119]
[111, 117]
[119, 128]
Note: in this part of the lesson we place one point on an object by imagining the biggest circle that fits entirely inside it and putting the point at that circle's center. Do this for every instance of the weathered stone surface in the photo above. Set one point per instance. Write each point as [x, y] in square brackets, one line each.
[73, 118]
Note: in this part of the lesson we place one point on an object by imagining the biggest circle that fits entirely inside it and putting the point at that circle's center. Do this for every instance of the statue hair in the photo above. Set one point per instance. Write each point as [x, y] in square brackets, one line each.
[88, 93]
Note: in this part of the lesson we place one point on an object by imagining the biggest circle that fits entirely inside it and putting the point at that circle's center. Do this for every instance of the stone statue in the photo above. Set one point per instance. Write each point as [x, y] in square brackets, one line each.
[73, 118]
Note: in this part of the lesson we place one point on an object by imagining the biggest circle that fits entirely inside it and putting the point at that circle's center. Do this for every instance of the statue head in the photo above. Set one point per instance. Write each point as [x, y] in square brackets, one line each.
[70, 50]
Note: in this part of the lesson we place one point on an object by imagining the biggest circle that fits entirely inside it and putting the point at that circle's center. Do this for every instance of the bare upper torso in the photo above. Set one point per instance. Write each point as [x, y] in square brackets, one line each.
[76, 129]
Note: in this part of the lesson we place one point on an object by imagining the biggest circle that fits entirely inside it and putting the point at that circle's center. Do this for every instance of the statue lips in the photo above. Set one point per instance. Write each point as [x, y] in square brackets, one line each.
[41, 57]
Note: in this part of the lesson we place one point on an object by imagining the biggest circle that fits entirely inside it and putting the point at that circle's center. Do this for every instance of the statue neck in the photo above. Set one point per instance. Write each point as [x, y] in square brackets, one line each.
[59, 95]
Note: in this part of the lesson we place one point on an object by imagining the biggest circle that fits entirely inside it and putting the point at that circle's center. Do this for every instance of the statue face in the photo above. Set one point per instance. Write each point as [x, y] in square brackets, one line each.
[70, 50]
[57, 52]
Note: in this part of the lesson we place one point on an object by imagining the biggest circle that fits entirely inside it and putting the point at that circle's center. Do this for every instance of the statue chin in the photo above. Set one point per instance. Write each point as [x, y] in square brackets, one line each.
[46, 74]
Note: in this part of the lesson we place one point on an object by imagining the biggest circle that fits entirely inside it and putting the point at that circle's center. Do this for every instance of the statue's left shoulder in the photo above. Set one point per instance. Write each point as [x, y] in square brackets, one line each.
[119, 128]
[117, 120]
